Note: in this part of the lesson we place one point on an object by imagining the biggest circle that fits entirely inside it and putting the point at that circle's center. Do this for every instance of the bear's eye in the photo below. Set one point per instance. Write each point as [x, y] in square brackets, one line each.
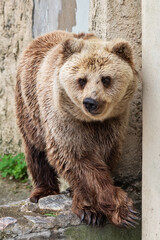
[82, 82]
[106, 81]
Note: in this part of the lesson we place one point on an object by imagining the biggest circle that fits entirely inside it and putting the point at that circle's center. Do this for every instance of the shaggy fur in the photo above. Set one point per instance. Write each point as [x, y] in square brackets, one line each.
[60, 136]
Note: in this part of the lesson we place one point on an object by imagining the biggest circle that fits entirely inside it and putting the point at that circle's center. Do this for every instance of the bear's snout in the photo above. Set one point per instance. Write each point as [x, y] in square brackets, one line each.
[90, 104]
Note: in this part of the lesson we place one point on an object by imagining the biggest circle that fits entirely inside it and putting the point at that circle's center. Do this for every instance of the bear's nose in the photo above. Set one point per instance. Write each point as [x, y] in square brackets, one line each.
[90, 104]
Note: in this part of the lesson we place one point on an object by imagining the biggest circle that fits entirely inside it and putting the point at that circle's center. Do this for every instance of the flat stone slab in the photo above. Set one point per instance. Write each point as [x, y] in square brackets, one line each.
[42, 222]
[34, 236]
[6, 221]
[55, 203]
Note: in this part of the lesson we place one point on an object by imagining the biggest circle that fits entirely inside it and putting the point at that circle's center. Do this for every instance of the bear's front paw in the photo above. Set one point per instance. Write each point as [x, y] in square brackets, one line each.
[40, 192]
[88, 214]
[120, 211]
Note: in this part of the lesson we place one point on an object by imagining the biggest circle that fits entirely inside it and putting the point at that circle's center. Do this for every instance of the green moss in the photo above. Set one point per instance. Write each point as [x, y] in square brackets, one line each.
[50, 215]
[13, 166]
[107, 233]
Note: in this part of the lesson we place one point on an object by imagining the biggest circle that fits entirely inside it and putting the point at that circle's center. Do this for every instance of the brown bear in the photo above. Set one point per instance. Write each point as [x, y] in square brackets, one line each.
[72, 100]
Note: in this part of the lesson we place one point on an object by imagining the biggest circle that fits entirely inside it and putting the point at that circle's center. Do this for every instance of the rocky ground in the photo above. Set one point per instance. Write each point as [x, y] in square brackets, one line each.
[12, 190]
[51, 218]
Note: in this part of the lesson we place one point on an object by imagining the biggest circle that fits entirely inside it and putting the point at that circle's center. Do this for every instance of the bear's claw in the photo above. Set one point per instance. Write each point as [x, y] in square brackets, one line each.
[93, 218]
[131, 220]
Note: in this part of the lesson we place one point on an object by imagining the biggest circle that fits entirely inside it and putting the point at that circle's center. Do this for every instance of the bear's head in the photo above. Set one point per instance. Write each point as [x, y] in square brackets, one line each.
[97, 78]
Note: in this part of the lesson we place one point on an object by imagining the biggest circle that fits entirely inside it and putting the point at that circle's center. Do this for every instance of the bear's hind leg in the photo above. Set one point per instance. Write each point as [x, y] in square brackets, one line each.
[43, 175]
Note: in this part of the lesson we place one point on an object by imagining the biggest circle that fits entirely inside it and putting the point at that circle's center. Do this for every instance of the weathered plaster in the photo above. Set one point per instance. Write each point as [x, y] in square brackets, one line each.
[16, 33]
[67, 15]
[45, 16]
[82, 16]
[50, 15]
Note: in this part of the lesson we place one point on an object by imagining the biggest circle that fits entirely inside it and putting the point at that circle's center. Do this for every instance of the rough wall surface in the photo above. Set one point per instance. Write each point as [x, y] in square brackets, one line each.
[16, 33]
[122, 19]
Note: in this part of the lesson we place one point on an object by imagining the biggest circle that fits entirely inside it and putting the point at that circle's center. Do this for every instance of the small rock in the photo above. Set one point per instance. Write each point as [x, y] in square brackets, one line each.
[4, 222]
[14, 204]
[66, 219]
[35, 236]
[29, 207]
[55, 203]
[45, 222]
[18, 230]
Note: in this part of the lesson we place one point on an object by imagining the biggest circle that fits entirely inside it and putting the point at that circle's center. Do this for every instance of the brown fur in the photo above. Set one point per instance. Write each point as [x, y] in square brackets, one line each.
[60, 136]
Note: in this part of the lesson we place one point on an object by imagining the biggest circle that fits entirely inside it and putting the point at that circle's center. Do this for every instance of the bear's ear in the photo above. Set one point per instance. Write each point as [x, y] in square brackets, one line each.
[71, 46]
[123, 49]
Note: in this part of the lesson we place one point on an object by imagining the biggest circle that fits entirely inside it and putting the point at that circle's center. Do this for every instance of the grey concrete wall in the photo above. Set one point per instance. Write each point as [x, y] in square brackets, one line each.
[151, 119]
[122, 19]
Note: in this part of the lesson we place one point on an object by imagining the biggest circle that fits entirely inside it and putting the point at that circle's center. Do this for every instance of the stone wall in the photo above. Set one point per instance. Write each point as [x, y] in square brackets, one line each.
[122, 19]
[16, 33]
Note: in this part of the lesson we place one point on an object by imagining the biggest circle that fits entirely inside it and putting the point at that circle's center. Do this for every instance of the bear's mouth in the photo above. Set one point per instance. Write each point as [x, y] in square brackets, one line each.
[98, 111]
[95, 113]
[94, 107]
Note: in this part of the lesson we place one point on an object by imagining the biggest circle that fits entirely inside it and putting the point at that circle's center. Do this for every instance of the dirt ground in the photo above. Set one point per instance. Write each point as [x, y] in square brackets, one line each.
[11, 190]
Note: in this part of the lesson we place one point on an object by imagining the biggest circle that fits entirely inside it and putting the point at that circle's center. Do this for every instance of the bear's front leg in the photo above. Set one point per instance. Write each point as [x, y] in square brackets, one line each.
[95, 198]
